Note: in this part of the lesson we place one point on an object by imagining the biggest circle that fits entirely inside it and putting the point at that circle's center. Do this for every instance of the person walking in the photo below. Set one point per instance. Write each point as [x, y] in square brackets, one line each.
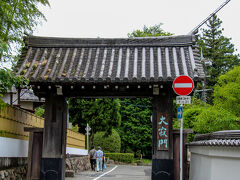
[99, 155]
[92, 157]
[104, 162]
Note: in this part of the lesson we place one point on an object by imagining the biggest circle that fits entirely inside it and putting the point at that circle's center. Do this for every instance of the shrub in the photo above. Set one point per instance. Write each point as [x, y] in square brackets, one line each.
[121, 157]
[215, 119]
[109, 144]
[39, 111]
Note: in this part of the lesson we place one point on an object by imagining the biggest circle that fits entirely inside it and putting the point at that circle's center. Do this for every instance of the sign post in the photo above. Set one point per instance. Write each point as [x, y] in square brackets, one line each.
[180, 119]
[87, 130]
[183, 86]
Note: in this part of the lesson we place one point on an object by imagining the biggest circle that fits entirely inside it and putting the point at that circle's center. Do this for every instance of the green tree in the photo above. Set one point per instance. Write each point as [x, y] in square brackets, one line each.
[227, 91]
[155, 30]
[215, 119]
[109, 144]
[224, 113]
[218, 49]
[17, 18]
[136, 127]
[100, 114]
[7, 79]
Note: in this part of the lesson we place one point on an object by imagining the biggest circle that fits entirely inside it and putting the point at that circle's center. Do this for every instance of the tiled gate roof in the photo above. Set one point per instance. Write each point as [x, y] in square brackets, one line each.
[155, 59]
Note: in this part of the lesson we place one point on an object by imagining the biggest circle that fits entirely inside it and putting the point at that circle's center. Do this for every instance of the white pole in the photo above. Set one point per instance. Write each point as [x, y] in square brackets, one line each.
[181, 147]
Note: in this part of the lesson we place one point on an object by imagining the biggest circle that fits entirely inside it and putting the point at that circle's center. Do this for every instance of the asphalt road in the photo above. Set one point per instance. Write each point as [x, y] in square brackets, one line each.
[115, 172]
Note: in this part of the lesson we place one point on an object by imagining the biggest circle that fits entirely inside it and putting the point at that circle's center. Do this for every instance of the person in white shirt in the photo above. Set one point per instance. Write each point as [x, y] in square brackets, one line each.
[99, 155]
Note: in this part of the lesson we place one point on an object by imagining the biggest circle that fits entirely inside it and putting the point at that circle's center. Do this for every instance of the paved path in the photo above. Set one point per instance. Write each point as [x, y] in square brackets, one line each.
[116, 172]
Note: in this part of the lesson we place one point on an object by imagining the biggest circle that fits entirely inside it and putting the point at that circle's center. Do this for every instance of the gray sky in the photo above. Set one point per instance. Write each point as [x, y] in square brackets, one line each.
[117, 18]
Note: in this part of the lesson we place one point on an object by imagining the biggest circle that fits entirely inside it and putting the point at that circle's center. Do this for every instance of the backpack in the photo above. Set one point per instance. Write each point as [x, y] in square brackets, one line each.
[92, 152]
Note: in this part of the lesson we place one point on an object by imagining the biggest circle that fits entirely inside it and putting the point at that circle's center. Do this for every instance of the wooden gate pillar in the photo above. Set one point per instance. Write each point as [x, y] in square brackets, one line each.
[162, 146]
[54, 138]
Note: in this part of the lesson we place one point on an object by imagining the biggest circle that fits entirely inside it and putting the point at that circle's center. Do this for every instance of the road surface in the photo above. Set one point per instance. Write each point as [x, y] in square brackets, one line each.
[116, 172]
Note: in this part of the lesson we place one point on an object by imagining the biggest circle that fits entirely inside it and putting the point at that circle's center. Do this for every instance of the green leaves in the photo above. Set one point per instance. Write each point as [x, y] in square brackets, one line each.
[100, 114]
[110, 144]
[227, 91]
[224, 113]
[17, 17]
[215, 119]
[136, 127]
[155, 30]
[8, 79]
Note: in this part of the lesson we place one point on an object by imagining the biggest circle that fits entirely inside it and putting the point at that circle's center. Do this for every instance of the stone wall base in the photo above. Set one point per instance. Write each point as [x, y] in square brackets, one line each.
[78, 164]
[18, 173]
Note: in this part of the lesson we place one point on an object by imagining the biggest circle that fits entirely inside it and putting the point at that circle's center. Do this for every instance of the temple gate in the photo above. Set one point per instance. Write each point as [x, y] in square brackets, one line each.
[59, 68]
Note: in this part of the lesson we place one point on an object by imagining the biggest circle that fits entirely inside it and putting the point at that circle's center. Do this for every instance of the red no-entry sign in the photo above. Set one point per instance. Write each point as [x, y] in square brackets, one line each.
[183, 85]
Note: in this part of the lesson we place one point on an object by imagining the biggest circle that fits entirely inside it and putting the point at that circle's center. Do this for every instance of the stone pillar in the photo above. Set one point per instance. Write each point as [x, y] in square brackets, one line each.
[54, 138]
[162, 146]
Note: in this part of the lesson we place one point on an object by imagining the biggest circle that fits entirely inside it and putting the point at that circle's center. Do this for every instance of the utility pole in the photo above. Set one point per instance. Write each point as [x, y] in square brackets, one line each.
[195, 30]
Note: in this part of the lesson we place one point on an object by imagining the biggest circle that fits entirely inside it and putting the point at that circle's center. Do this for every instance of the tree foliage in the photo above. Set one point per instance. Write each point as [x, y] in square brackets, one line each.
[218, 49]
[100, 114]
[224, 113]
[109, 144]
[136, 128]
[7, 79]
[39, 111]
[215, 119]
[17, 17]
[155, 30]
[227, 91]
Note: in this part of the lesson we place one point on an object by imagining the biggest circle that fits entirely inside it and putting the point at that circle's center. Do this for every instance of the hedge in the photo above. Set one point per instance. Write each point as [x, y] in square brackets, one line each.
[121, 157]
[109, 144]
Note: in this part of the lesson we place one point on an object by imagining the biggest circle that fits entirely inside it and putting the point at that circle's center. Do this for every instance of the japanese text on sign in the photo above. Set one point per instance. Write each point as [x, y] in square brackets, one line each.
[183, 100]
[162, 132]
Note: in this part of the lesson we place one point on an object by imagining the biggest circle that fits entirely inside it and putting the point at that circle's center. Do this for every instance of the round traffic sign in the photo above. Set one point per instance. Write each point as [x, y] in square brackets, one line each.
[183, 85]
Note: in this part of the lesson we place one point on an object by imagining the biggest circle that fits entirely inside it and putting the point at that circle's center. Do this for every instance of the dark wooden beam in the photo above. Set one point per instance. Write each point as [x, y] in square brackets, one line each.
[113, 91]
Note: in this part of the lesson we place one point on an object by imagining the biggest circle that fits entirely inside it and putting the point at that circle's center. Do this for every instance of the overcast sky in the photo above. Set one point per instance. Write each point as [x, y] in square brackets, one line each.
[117, 18]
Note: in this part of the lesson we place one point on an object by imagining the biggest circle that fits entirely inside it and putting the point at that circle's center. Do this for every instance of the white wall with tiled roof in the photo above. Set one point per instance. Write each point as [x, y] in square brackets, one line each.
[214, 163]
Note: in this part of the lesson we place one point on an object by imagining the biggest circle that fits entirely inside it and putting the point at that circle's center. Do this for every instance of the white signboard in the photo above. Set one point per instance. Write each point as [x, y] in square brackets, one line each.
[183, 99]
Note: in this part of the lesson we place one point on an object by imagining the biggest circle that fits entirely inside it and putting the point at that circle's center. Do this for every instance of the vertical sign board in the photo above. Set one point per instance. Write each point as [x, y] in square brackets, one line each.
[162, 132]
[179, 112]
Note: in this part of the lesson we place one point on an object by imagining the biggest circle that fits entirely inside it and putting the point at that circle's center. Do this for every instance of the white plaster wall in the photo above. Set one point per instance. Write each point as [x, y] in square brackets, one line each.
[76, 151]
[214, 163]
[10, 147]
[200, 167]
[225, 168]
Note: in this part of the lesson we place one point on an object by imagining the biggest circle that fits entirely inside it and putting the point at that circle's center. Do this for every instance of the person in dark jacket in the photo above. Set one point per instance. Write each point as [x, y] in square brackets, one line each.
[92, 157]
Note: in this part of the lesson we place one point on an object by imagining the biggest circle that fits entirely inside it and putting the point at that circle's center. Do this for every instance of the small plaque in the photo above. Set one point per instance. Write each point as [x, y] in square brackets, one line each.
[183, 99]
